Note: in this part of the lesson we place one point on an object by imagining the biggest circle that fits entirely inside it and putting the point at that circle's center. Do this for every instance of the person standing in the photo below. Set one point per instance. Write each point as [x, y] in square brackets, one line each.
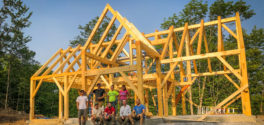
[109, 114]
[99, 95]
[112, 96]
[138, 112]
[82, 104]
[97, 114]
[123, 94]
[125, 114]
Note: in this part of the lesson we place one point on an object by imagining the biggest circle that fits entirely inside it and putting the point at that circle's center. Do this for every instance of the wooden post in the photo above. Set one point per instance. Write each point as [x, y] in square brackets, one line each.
[83, 68]
[173, 99]
[32, 100]
[147, 99]
[66, 98]
[183, 104]
[245, 98]
[165, 100]
[139, 72]
[159, 91]
[60, 105]
[189, 77]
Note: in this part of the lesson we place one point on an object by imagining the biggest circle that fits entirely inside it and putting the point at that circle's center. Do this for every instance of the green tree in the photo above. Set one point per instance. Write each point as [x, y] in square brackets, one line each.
[86, 30]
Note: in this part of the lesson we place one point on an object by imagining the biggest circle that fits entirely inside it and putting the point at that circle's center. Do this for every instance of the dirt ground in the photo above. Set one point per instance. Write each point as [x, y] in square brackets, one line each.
[12, 117]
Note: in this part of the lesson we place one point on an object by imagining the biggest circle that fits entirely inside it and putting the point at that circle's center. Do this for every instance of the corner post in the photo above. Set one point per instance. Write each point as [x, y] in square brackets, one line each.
[32, 100]
[140, 72]
[159, 90]
[245, 98]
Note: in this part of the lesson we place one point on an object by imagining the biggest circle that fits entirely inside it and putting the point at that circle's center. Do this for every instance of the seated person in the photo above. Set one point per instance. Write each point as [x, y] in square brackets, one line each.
[97, 114]
[109, 114]
[138, 112]
[125, 114]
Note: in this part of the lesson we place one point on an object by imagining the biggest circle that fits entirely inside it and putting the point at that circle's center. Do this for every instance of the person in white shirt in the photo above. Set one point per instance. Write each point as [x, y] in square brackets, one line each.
[125, 114]
[82, 104]
[97, 114]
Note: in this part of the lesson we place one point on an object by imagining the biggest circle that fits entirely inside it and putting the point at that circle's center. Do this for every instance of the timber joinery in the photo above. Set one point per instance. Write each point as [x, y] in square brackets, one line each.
[84, 66]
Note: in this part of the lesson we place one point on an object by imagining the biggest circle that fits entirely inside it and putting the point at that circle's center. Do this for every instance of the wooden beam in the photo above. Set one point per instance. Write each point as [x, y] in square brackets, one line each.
[159, 87]
[61, 66]
[130, 84]
[230, 79]
[223, 102]
[140, 72]
[110, 70]
[165, 46]
[47, 63]
[232, 101]
[229, 67]
[202, 56]
[99, 21]
[98, 58]
[66, 98]
[59, 86]
[36, 90]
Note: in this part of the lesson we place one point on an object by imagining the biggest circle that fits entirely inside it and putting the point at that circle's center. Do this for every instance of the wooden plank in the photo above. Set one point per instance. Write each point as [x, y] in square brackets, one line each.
[214, 73]
[73, 79]
[32, 100]
[140, 72]
[98, 58]
[230, 79]
[195, 26]
[232, 101]
[61, 66]
[105, 81]
[99, 21]
[229, 67]
[55, 63]
[223, 102]
[76, 59]
[202, 56]
[207, 51]
[229, 31]
[47, 63]
[195, 35]
[119, 47]
[110, 70]
[130, 84]
[110, 24]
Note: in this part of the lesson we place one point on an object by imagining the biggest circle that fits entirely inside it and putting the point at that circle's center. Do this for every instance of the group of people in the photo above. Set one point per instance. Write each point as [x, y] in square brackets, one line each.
[101, 115]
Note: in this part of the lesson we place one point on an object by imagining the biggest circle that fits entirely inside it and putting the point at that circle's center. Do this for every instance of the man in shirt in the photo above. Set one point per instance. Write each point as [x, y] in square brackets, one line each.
[109, 114]
[112, 96]
[82, 104]
[99, 95]
[97, 114]
[138, 111]
[125, 114]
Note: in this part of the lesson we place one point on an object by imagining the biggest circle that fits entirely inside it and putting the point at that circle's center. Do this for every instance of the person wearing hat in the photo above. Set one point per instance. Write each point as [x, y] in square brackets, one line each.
[99, 95]
[82, 104]
[97, 114]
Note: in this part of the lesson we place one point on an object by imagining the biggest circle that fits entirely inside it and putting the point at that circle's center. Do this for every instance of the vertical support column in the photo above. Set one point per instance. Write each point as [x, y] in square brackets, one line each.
[147, 100]
[183, 104]
[189, 77]
[66, 98]
[159, 90]
[83, 68]
[139, 72]
[165, 99]
[173, 100]
[32, 99]
[60, 105]
[245, 98]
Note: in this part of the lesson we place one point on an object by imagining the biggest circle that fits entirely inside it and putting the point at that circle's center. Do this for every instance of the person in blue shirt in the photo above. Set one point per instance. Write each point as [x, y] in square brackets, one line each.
[138, 112]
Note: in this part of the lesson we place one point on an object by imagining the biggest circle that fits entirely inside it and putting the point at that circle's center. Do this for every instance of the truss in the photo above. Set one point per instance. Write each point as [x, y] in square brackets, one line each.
[84, 66]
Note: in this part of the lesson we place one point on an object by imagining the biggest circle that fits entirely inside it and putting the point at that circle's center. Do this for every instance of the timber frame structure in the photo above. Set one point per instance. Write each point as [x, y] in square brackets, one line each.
[84, 66]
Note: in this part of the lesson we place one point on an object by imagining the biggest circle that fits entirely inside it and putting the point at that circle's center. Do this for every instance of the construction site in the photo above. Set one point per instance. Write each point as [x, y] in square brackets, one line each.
[132, 58]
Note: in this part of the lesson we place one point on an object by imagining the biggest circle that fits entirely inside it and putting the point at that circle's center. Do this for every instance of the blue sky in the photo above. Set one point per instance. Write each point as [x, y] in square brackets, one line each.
[55, 22]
